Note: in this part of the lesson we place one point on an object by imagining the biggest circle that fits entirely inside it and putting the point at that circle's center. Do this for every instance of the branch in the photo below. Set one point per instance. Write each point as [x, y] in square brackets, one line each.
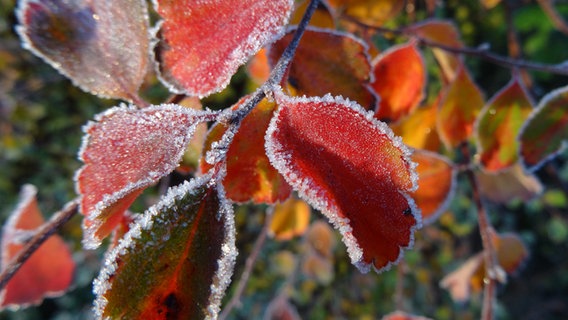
[44, 232]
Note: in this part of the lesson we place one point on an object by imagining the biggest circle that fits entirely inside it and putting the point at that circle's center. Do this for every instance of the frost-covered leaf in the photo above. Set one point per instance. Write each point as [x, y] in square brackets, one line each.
[289, 219]
[508, 184]
[175, 262]
[202, 43]
[418, 130]
[545, 133]
[436, 184]
[373, 12]
[461, 102]
[445, 33]
[400, 79]
[498, 126]
[49, 270]
[329, 62]
[349, 166]
[250, 176]
[125, 151]
[102, 46]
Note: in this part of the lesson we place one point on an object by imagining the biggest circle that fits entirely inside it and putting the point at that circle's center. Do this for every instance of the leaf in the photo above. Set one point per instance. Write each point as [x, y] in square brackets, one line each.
[544, 134]
[508, 184]
[99, 45]
[281, 309]
[289, 219]
[436, 184]
[490, 4]
[348, 165]
[375, 13]
[498, 126]
[317, 267]
[401, 315]
[418, 130]
[321, 17]
[459, 107]
[190, 160]
[202, 43]
[400, 79]
[124, 152]
[320, 238]
[510, 251]
[258, 67]
[175, 262]
[444, 33]
[250, 176]
[343, 68]
[49, 270]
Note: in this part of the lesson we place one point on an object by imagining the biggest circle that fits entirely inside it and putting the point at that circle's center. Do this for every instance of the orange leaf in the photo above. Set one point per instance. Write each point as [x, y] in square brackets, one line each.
[349, 166]
[318, 268]
[374, 12]
[508, 184]
[436, 184]
[461, 102]
[321, 18]
[49, 270]
[320, 237]
[400, 79]
[343, 68]
[250, 176]
[418, 130]
[258, 67]
[400, 315]
[498, 126]
[290, 219]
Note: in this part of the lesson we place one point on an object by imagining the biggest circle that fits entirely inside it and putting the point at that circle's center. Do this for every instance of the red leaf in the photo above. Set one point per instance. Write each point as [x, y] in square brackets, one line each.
[436, 184]
[400, 79]
[349, 166]
[175, 262]
[49, 270]
[202, 43]
[343, 68]
[545, 133]
[102, 46]
[498, 126]
[124, 152]
[250, 176]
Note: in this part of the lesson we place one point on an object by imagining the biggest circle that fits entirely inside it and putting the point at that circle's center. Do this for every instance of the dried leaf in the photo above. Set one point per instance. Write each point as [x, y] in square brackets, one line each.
[102, 47]
[349, 166]
[511, 183]
[202, 43]
[49, 270]
[498, 126]
[544, 134]
[400, 79]
[343, 68]
[290, 219]
[175, 262]
[250, 176]
[125, 151]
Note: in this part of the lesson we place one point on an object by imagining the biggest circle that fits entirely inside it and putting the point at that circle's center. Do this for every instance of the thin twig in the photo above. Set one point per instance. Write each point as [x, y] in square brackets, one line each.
[235, 301]
[481, 52]
[44, 232]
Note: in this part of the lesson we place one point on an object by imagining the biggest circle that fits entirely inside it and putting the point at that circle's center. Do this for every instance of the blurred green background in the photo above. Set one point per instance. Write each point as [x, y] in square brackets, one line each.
[41, 115]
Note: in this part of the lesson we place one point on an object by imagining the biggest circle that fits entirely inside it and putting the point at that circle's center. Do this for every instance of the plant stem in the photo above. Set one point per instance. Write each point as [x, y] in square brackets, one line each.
[43, 233]
[249, 264]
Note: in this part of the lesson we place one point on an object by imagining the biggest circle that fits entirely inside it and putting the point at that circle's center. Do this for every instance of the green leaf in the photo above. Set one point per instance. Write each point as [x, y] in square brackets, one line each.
[175, 262]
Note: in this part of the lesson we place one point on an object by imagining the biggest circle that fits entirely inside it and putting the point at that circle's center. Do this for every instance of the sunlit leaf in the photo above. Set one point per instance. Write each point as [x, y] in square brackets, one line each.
[374, 12]
[175, 262]
[400, 79]
[101, 47]
[202, 43]
[343, 68]
[125, 151]
[458, 110]
[418, 130]
[400, 315]
[320, 238]
[445, 33]
[436, 184]
[508, 184]
[290, 219]
[48, 272]
[349, 166]
[544, 134]
[250, 176]
[511, 253]
[498, 126]
[321, 17]
[258, 67]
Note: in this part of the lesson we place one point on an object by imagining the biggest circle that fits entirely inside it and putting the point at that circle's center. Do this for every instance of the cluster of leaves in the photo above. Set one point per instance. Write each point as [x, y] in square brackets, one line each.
[343, 128]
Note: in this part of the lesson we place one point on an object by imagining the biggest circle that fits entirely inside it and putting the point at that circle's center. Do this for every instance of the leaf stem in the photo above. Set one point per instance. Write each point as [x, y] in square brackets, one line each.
[42, 234]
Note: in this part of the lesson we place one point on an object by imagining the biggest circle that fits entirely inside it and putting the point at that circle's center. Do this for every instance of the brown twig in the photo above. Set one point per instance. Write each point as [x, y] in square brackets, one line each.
[43, 233]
